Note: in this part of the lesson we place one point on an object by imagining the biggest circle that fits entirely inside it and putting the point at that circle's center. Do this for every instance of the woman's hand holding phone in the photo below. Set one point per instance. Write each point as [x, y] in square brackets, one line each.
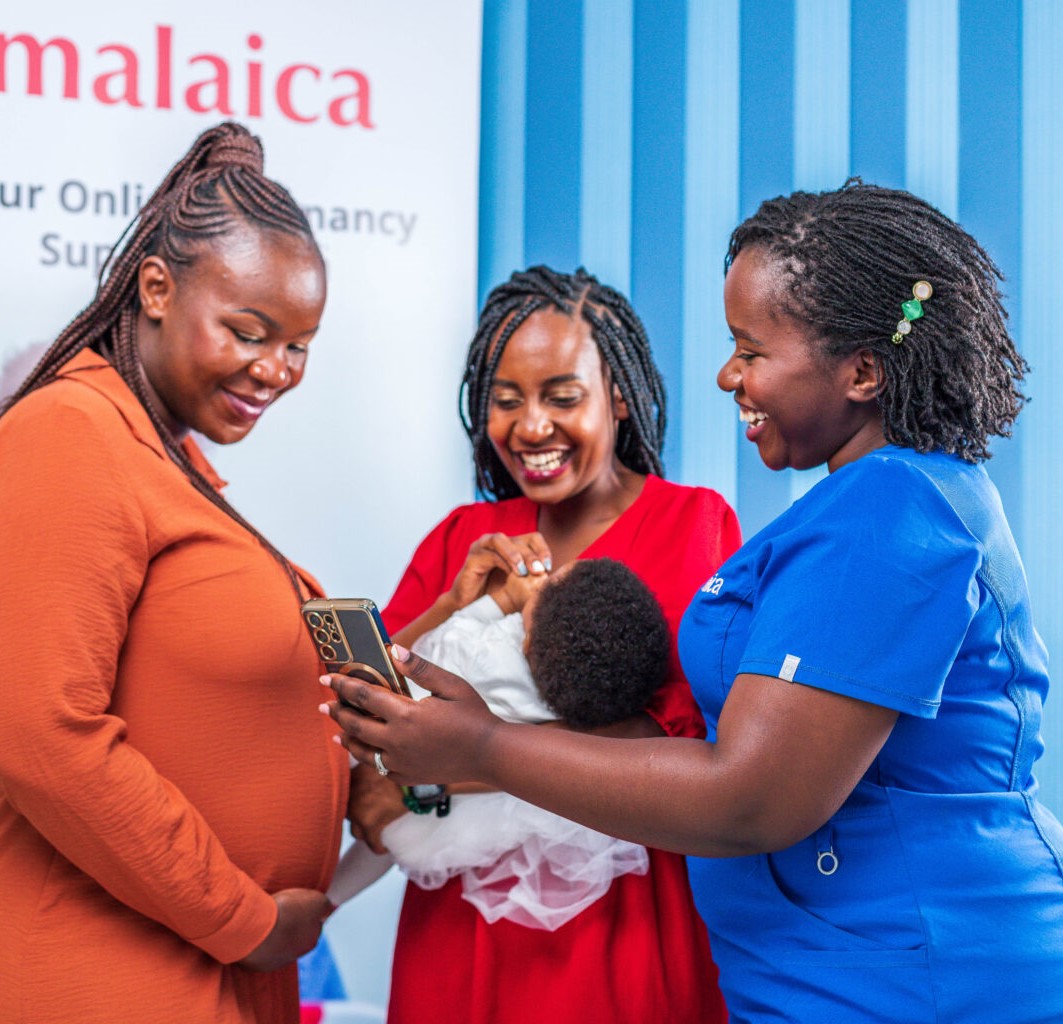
[438, 739]
[350, 638]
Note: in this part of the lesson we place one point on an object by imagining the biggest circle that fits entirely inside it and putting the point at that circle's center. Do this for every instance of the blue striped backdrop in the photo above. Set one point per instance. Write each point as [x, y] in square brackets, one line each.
[632, 135]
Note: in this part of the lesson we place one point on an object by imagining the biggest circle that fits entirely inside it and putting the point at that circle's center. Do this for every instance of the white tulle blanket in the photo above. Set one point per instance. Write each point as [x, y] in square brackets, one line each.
[515, 861]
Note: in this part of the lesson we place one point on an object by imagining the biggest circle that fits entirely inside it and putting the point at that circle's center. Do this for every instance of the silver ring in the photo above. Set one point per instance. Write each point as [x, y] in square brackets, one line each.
[378, 760]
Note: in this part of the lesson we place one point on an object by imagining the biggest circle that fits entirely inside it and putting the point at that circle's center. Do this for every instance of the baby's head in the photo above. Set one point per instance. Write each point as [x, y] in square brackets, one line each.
[597, 643]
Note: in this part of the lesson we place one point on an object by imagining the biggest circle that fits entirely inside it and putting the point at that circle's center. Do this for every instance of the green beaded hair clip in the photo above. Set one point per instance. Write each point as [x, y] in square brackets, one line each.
[912, 309]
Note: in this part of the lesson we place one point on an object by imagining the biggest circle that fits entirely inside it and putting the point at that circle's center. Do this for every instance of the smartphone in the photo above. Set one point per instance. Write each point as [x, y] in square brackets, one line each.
[351, 639]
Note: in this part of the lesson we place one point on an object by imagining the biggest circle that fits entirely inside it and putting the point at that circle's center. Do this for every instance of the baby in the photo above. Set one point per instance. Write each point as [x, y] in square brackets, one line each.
[587, 646]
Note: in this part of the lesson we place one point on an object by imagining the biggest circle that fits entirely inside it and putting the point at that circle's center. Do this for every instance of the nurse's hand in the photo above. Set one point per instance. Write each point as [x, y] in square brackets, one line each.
[440, 739]
[300, 916]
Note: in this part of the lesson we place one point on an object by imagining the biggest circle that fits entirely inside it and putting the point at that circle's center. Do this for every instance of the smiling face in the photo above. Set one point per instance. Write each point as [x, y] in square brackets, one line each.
[802, 408]
[226, 336]
[554, 413]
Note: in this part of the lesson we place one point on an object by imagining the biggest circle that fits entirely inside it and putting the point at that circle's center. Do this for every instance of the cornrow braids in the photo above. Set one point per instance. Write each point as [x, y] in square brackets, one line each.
[217, 186]
[849, 259]
[621, 340]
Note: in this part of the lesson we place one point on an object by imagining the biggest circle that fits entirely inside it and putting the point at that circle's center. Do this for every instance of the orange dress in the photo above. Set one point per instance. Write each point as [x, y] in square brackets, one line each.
[163, 765]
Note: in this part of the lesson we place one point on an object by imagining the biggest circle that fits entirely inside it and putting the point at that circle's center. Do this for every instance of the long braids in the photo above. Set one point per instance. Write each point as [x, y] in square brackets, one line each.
[621, 340]
[215, 186]
[850, 258]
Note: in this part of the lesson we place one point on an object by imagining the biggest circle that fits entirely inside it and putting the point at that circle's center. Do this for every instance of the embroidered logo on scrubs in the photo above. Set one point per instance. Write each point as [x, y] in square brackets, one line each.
[713, 586]
[789, 667]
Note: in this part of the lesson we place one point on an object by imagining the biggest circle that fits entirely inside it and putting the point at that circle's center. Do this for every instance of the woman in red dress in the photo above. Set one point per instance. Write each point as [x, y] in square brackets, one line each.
[565, 411]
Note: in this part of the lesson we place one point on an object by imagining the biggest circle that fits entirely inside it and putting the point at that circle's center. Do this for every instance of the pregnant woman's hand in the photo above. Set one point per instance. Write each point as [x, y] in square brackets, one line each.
[300, 915]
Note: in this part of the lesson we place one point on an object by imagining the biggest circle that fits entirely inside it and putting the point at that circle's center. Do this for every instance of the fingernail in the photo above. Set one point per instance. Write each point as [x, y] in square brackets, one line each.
[336, 739]
[522, 569]
[538, 568]
[323, 708]
[549, 565]
[400, 652]
[325, 680]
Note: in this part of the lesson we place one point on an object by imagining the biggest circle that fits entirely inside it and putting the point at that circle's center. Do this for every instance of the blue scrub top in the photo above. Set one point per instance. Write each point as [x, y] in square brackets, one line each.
[936, 891]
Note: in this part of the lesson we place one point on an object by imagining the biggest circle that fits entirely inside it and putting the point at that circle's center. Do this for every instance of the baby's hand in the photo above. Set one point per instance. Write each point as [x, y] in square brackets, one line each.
[511, 592]
[495, 554]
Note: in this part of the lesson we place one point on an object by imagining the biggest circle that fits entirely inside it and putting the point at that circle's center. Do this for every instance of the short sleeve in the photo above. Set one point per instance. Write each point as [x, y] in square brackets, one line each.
[425, 577]
[680, 544]
[871, 595]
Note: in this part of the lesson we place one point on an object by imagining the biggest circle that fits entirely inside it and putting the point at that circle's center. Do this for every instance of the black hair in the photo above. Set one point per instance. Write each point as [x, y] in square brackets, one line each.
[850, 257]
[213, 189]
[621, 340]
[598, 643]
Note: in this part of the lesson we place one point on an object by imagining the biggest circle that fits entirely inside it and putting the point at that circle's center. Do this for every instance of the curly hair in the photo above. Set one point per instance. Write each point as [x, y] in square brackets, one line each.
[621, 340]
[849, 258]
[598, 643]
[216, 187]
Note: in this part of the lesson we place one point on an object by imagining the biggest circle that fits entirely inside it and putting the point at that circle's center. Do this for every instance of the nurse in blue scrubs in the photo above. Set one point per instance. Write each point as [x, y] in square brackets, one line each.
[865, 836]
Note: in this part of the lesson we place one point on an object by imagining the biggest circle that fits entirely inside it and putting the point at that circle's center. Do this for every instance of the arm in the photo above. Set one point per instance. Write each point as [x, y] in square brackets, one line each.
[786, 754]
[785, 759]
[358, 869]
[375, 802]
[420, 603]
[76, 548]
[638, 727]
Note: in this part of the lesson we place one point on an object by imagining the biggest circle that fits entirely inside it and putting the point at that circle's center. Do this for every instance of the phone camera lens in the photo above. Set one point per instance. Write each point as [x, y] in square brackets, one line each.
[314, 619]
[322, 636]
[330, 620]
[328, 653]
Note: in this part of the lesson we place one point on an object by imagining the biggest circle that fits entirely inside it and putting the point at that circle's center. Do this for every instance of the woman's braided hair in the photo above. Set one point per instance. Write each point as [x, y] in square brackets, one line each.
[213, 189]
[850, 258]
[621, 340]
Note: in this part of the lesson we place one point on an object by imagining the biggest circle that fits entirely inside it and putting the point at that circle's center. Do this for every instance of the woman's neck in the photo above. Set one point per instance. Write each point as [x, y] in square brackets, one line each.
[571, 526]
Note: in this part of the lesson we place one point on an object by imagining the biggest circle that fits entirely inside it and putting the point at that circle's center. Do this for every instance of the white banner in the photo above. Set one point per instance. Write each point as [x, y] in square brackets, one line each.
[369, 114]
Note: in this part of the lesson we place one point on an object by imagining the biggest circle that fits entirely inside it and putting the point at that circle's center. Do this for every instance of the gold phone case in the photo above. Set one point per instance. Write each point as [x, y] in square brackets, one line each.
[351, 638]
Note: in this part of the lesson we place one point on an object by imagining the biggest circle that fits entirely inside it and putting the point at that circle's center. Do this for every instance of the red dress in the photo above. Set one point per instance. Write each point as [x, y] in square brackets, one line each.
[640, 954]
